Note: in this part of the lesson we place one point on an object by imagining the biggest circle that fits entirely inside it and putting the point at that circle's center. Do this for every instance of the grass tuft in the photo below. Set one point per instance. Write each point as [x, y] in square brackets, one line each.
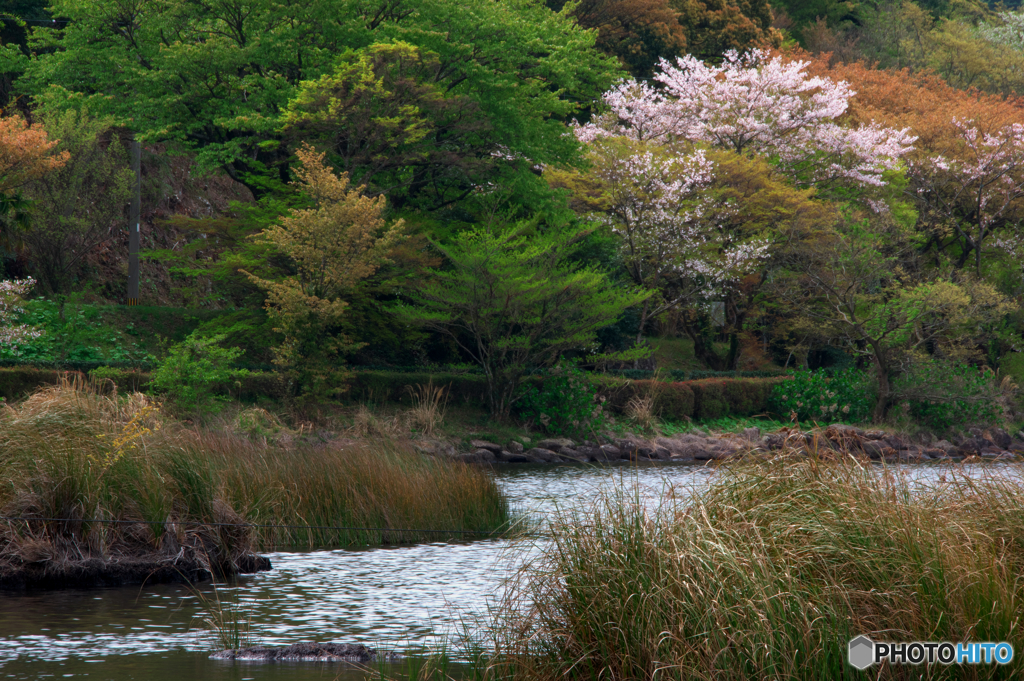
[768, 574]
[71, 452]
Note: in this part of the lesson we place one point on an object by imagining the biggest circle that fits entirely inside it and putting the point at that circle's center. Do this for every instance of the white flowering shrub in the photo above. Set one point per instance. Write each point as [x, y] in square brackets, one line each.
[12, 332]
[824, 396]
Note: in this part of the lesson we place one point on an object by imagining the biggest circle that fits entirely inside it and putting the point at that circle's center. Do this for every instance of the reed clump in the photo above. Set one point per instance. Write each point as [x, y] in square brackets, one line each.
[768, 574]
[78, 454]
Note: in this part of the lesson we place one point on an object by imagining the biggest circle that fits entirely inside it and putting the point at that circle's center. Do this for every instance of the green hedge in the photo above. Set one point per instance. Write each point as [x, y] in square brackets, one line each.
[718, 397]
[705, 399]
[671, 400]
[16, 382]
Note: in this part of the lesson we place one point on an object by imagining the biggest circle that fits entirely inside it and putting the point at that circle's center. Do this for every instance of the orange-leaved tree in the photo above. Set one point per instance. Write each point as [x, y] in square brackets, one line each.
[26, 153]
[340, 240]
[966, 171]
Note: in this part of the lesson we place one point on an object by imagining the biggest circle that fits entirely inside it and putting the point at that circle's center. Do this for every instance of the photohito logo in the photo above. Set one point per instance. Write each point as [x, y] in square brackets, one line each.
[863, 652]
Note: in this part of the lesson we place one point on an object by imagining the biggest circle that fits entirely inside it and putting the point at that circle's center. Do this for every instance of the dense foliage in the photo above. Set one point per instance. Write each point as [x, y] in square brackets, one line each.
[515, 185]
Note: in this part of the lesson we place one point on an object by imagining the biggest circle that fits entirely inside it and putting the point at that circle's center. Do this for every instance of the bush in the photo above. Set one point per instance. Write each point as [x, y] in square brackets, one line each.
[16, 382]
[672, 401]
[721, 397]
[193, 369]
[943, 395]
[565, 404]
[824, 396]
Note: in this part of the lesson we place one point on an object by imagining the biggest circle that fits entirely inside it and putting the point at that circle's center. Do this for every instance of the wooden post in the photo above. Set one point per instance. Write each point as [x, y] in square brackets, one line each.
[134, 225]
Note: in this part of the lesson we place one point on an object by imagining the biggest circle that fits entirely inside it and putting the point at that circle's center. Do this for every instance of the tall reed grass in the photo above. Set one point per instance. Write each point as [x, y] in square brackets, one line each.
[767, 575]
[73, 453]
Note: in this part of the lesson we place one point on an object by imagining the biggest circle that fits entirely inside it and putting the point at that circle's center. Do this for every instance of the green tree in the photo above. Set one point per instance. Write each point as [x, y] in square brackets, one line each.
[861, 287]
[193, 369]
[339, 241]
[513, 301]
[385, 115]
[79, 206]
[215, 76]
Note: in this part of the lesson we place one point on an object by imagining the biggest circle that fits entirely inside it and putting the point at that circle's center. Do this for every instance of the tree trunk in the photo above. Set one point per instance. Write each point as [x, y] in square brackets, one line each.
[884, 389]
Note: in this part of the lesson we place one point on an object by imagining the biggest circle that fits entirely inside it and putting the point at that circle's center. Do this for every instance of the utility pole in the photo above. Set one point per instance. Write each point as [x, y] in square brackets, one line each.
[133, 225]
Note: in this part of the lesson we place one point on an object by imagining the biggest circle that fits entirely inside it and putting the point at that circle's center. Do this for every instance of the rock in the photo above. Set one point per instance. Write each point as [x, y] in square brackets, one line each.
[999, 437]
[672, 445]
[541, 455]
[514, 446]
[481, 456]
[873, 448]
[627, 445]
[774, 441]
[946, 446]
[555, 444]
[895, 442]
[705, 455]
[610, 452]
[874, 435]
[934, 453]
[483, 444]
[751, 434]
[304, 652]
[662, 453]
[972, 446]
[1016, 446]
[590, 452]
[513, 457]
[573, 455]
[911, 455]
[434, 448]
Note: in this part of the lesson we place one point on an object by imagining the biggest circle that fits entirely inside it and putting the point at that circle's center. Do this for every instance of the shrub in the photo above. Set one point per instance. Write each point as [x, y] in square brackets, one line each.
[721, 397]
[565, 404]
[16, 382]
[672, 401]
[193, 369]
[824, 396]
[942, 395]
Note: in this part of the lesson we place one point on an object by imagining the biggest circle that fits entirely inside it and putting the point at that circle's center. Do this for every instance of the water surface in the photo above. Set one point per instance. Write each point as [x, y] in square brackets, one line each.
[399, 598]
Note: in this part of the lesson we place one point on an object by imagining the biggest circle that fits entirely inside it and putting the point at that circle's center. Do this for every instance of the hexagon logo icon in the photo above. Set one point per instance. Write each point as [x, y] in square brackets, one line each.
[862, 652]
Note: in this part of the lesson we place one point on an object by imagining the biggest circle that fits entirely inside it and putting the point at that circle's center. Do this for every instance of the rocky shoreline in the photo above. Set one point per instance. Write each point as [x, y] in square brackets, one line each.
[992, 444]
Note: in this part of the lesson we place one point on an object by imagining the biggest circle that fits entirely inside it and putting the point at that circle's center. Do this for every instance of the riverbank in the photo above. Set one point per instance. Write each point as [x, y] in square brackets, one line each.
[108, 489]
[769, 573]
[991, 444]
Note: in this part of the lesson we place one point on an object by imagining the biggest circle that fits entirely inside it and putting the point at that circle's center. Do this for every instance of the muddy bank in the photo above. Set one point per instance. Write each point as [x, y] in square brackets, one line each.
[306, 652]
[991, 444]
[40, 556]
[98, 572]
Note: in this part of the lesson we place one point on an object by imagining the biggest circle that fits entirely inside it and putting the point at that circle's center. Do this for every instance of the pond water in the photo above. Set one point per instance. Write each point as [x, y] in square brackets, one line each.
[398, 598]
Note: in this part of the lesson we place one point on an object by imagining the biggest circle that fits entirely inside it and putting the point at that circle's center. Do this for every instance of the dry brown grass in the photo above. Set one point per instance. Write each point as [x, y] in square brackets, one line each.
[429, 404]
[72, 452]
[768, 575]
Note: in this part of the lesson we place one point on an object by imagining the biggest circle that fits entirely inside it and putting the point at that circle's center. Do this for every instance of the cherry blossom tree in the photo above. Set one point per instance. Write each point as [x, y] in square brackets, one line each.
[755, 104]
[655, 201]
[13, 333]
[977, 190]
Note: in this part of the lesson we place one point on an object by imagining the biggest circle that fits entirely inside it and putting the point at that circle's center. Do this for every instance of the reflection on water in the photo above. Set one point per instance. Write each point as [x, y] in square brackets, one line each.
[399, 598]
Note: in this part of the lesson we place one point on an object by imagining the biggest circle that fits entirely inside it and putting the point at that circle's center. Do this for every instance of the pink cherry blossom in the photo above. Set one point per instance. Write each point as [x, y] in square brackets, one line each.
[754, 104]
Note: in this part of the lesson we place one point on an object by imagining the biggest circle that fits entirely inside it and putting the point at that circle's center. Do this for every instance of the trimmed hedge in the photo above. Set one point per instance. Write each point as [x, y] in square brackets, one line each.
[16, 382]
[718, 397]
[702, 400]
